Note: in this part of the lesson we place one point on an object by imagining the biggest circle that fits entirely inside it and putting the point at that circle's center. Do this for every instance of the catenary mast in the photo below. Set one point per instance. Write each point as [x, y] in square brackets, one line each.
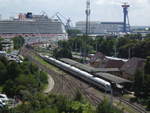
[87, 12]
[87, 28]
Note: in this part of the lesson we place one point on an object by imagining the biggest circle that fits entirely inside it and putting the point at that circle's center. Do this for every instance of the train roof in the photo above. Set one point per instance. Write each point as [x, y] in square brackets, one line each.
[88, 68]
[112, 78]
[101, 81]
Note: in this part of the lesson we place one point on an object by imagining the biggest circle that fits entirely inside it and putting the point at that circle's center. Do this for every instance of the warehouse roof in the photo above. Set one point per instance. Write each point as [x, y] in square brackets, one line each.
[132, 65]
[87, 67]
[112, 78]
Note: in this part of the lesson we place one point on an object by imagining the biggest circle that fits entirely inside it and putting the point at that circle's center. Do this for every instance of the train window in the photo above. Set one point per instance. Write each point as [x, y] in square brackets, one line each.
[107, 85]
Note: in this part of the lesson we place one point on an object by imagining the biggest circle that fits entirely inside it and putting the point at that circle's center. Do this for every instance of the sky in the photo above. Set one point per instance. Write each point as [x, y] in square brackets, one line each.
[101, 10]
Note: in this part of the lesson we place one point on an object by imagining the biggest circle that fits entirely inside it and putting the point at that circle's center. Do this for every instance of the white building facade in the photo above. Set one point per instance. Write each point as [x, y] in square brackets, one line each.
[97, 27]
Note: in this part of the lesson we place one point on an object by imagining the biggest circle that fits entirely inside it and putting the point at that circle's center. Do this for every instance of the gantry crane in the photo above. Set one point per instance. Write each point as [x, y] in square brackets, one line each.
[66, 22]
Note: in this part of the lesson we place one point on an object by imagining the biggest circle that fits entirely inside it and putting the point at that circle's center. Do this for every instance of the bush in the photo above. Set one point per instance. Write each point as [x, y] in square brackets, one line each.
[25, 76]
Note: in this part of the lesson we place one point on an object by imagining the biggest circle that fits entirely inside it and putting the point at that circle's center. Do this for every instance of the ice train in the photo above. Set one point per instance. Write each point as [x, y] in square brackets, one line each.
[100, 83]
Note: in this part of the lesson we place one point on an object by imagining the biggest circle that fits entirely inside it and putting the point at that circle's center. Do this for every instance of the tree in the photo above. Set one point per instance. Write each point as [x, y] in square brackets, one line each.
[3, 73]
[107, 46]
[29, 82]
[10, 88]
[123, 52]
[24, 76]
[78, 97]
[141, 49]
[147, 66]
[105, 107]
[63, 44]
[13, 70]
[134, 36]
[1, 47]
[48, 110]
[148, 104]
[73, 32]
[86, 49]
[33, 68]
[142, 84]
[139, 83]
[43, 77]
[130, 46]
[4, 60]
[147, 36]
[18, 42]
[1, 44]
[146, 88]
[62, 53]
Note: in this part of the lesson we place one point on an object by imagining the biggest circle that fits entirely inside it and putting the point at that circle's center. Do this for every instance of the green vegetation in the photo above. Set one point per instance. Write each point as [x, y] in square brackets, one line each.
[64, 51]
[18, 42]
[134, 47]
[1, 44]
[80, 44]
[40, 103]
[47, 64]
[26, 81]
[73, 32]
[142, 85]
[105, 107]
[17, 78]
[124, 47]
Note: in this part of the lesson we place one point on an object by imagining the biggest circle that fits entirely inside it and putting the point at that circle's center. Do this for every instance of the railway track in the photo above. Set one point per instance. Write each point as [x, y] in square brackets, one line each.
[70, 84]
[136, 107]
[82, 88]
[62, 84]
[93, 99]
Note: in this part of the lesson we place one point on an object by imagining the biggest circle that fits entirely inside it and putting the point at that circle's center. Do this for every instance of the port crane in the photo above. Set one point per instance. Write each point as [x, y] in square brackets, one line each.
[66, 22]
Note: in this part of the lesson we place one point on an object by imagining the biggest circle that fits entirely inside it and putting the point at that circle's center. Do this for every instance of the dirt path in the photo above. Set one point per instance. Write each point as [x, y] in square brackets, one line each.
[50, 85]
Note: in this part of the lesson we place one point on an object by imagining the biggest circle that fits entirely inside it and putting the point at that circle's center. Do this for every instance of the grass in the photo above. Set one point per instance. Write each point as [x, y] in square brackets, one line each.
[1, 88]
[49, 66]
[128, 96]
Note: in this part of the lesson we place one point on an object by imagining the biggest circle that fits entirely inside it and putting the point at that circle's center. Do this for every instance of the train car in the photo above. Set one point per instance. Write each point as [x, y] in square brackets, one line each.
[100, 83]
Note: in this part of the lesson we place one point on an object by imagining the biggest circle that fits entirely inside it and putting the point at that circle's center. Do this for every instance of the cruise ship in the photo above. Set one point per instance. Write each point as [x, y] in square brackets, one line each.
[29, 25]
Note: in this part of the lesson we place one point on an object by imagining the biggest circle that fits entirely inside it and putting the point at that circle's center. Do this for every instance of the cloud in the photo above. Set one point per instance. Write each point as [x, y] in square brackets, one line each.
[135, 3]
[112, 2]
[102, 10]
[138, 11]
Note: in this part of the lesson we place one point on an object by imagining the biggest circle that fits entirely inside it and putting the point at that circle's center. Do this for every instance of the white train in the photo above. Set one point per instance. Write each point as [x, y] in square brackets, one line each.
[100, 83]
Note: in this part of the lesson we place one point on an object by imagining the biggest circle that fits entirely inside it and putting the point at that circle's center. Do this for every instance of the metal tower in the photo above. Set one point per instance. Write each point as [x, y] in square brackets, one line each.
[87, 12]
[87, 30]
[125, 7]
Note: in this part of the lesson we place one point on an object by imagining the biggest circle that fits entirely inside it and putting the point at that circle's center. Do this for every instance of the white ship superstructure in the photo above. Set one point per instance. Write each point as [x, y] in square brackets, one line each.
[29, 25]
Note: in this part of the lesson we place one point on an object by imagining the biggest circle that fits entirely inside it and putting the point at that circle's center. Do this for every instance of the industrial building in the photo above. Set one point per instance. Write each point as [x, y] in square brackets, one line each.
[102, 28]
[97, 27]
[29, 25]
